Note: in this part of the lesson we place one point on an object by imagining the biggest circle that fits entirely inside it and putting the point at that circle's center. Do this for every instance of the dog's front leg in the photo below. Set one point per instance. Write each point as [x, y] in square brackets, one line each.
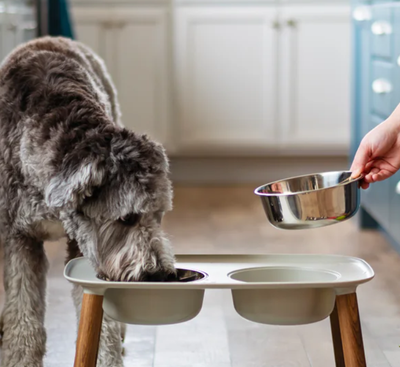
[24, 335]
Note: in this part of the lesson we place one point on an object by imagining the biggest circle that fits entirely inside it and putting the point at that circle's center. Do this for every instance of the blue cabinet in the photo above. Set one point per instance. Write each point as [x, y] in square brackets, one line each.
[376, 93]
[382, 88]
[381, 36]
[394, 208]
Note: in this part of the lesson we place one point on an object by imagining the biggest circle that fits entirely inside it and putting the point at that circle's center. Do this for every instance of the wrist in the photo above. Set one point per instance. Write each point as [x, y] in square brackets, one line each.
[394, 122]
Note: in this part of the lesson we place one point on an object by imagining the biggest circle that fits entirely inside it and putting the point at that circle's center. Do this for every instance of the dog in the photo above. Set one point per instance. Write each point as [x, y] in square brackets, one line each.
[68, 167]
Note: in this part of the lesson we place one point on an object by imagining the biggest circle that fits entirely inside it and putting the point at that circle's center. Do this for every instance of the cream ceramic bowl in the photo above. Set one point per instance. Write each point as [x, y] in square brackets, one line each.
[149, 307]
[283, 306]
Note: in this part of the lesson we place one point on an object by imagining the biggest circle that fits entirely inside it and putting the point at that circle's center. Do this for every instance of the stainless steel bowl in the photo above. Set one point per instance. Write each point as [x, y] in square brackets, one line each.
[311, 201]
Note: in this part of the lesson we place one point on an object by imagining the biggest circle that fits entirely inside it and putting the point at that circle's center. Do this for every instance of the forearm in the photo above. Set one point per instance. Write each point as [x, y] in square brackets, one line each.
[394, 120]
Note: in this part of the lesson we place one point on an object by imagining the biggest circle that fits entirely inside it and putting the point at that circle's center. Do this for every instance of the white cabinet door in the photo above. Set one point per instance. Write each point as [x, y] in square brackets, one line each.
[140, 70]
[315, 77]
[93, 27]
[10, 36]
[17, 25]
[225, 68]
[132, 41]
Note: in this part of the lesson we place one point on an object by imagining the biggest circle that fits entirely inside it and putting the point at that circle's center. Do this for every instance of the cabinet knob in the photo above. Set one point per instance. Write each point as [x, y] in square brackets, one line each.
[380, 28]
[381, 86]
[398, 188]
[276, 25]
[362, 13]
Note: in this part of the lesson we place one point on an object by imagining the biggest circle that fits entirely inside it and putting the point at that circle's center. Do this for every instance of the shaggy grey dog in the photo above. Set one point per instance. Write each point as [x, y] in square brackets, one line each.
[69, 168]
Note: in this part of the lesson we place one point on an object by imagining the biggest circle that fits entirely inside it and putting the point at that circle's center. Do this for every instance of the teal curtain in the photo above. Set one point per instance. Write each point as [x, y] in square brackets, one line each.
[59, 23]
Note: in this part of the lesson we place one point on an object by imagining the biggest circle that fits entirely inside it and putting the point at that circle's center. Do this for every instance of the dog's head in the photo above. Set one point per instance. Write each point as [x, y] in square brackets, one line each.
[112, 190]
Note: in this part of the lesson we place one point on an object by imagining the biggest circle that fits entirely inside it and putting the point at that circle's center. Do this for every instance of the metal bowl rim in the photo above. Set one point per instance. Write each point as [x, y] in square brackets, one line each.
[205, 276]
[257, 190]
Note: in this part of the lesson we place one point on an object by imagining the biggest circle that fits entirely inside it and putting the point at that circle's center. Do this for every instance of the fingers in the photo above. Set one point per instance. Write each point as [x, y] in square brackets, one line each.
[360, 161]
[375, 171]
[376, 174]
[364, 185]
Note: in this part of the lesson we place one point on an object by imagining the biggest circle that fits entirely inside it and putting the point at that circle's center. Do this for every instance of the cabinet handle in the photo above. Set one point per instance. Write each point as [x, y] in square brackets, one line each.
[108, 24]
[291, 23]
[398, 188]
[29, 26]
[111, 24]
[362, 13]
[120, 24]
[276, 25]
[381, 86]
[398, 61]
[380, 28]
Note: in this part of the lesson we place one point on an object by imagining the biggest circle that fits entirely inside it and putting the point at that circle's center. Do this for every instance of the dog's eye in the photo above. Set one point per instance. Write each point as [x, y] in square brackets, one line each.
[130, 220]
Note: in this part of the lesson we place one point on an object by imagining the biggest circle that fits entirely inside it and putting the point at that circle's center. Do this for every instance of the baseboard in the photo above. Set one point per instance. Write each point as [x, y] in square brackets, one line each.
[256, 171]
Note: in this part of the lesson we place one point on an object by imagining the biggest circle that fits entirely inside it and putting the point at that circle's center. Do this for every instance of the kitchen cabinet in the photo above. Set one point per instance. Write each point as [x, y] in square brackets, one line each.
[394, 207]
[361, 85]
[17, 25]
[133, 43]
[226, 77]
[315, 76]
[262, 77]
[216, 78]
[93, 27]
[376, 92]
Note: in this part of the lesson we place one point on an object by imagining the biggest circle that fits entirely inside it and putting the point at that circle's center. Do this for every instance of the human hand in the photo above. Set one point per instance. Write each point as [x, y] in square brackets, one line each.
[378, 156]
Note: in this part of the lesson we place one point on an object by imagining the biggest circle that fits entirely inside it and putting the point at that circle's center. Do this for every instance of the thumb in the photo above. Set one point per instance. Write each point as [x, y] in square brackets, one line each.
[360, 160]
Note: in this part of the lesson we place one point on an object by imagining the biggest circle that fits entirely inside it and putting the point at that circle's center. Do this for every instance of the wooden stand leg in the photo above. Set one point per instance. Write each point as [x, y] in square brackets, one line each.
[346, 332]
[90, 322]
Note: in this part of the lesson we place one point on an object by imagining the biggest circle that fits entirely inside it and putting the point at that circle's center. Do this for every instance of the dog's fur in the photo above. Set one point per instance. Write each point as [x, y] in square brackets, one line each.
[68, 166]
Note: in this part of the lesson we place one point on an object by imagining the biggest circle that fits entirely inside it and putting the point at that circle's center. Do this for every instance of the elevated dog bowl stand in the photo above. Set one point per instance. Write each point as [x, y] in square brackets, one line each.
[268, 289]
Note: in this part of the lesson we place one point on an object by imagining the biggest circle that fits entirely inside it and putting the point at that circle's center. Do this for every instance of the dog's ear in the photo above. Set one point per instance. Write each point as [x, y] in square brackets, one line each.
[69, 190]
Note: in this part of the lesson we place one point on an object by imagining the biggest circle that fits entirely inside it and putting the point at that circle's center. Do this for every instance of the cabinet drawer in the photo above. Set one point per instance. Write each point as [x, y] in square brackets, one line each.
[376, 200]
[394, 193]
[382, 88]
[382, 31]
[396, 54]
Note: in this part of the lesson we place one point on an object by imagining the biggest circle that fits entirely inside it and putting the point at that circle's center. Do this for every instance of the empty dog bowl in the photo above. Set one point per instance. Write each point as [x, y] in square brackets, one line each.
[284, 306]
[155, 306]
[310, 201]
